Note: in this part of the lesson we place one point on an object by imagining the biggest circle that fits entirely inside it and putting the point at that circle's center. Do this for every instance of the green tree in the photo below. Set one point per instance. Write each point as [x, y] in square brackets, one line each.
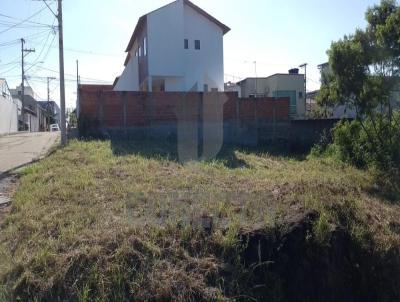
[72, 119]
[364, 70]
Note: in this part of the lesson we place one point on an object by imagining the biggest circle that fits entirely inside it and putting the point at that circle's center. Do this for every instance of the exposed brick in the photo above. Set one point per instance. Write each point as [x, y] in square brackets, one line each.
[101, 103]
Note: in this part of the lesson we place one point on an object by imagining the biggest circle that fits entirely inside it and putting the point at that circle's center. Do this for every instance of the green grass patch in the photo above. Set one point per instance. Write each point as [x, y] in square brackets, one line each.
[103, 220]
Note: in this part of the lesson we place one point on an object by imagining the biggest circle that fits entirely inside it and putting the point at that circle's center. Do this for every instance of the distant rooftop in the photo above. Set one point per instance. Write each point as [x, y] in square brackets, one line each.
[273, 75]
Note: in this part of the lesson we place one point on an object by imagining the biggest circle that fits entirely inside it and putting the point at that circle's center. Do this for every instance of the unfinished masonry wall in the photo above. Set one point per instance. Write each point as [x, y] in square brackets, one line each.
[157, 115]
[244, 121]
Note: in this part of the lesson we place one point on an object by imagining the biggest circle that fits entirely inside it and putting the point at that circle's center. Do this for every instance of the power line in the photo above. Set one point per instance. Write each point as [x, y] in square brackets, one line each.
[32, 22]
[44, 58]
[55, 15]
[12, 68]
[23, 21]
[72, 75]
[91, 52]
[28, 38]
[12, 42]
[17, 25]
[88, 52]
[33, 89]
[47, 39]
[13, 61]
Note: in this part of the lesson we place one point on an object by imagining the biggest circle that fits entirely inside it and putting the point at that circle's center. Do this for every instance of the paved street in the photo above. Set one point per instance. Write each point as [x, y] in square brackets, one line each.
[22, 148]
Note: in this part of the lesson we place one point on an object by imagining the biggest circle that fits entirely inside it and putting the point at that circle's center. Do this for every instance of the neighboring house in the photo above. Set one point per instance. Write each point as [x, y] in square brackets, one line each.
[52, 110]
[232, 87]
[289, 85]
[33, 117]
[178, 47]
[8, 110]
[335, 112]
[344, 111]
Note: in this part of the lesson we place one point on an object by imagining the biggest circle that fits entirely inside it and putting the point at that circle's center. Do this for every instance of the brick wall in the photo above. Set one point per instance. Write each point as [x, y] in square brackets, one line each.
[112, 110]
[246, 121]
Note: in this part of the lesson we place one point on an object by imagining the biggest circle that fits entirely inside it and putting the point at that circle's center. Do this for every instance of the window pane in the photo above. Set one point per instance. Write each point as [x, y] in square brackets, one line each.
[186, 44]
[197, 44]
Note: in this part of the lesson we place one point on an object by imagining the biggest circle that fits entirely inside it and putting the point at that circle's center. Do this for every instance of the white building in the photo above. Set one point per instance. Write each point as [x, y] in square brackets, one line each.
[289, 85]
[8, 110]
[178, 47]
[33, 118]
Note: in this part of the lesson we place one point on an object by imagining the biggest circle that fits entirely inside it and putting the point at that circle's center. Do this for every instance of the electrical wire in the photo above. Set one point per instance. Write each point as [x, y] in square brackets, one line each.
[17, 25]
[33, 22]
[89, 52]
[38, 58]
[12, 68]
[13, 61]
[23, 21]
[73, 75]
[28, 37]
[33, 89]
[12, 42]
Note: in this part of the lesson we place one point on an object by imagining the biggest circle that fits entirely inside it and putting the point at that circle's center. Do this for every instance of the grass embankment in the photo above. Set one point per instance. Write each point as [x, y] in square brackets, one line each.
[102, 221]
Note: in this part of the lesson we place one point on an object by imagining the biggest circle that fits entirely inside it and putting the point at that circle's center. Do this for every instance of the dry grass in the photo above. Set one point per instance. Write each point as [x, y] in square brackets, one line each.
[102, 220]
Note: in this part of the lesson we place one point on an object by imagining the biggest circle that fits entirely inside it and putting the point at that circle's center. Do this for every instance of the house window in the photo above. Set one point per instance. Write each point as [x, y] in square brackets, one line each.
[196, 44]
[145, 46]
[186, 43]
[300, 94]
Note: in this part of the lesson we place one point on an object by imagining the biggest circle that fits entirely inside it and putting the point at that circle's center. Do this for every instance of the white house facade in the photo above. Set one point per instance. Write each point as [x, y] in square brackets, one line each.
[178, 47]
[8, 110]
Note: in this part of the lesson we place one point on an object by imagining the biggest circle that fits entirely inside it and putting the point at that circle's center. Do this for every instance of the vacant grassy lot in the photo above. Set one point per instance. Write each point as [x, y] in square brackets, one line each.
[103, 220]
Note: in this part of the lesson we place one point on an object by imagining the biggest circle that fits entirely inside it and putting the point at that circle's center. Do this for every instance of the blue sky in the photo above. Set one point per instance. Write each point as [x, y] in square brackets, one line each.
[278, 35]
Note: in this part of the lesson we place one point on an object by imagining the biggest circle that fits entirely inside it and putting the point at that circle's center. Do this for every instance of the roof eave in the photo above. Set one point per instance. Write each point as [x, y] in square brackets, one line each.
[225, 29]
[141, 20]
[115, 82]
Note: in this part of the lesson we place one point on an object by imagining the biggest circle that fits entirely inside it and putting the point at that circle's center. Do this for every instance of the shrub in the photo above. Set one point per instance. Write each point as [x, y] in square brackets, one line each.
[374, 143]
[350, 144]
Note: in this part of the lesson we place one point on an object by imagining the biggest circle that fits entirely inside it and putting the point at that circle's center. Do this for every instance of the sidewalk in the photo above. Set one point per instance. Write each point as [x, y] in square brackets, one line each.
[22, 148]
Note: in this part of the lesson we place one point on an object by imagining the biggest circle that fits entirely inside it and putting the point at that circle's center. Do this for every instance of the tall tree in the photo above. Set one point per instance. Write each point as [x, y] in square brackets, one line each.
[364, 70]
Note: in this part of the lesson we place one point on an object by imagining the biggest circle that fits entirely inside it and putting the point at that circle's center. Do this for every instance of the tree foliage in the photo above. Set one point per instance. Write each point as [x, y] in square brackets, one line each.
[363, 74]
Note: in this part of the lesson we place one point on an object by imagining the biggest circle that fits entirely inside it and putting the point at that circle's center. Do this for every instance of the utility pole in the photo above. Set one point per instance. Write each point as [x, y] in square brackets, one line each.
[61, 59]
[23, 51]
[62, 82]
[305, 84]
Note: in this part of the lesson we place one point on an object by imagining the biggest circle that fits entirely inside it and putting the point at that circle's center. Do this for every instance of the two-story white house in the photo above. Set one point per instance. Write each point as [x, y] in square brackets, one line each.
[178, 47]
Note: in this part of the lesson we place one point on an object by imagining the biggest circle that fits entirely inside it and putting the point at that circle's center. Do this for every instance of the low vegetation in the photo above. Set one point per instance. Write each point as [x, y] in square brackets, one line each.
[114, 221]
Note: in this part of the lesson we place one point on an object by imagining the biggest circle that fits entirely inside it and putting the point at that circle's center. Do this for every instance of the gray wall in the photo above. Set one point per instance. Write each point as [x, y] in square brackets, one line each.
[8, 110]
